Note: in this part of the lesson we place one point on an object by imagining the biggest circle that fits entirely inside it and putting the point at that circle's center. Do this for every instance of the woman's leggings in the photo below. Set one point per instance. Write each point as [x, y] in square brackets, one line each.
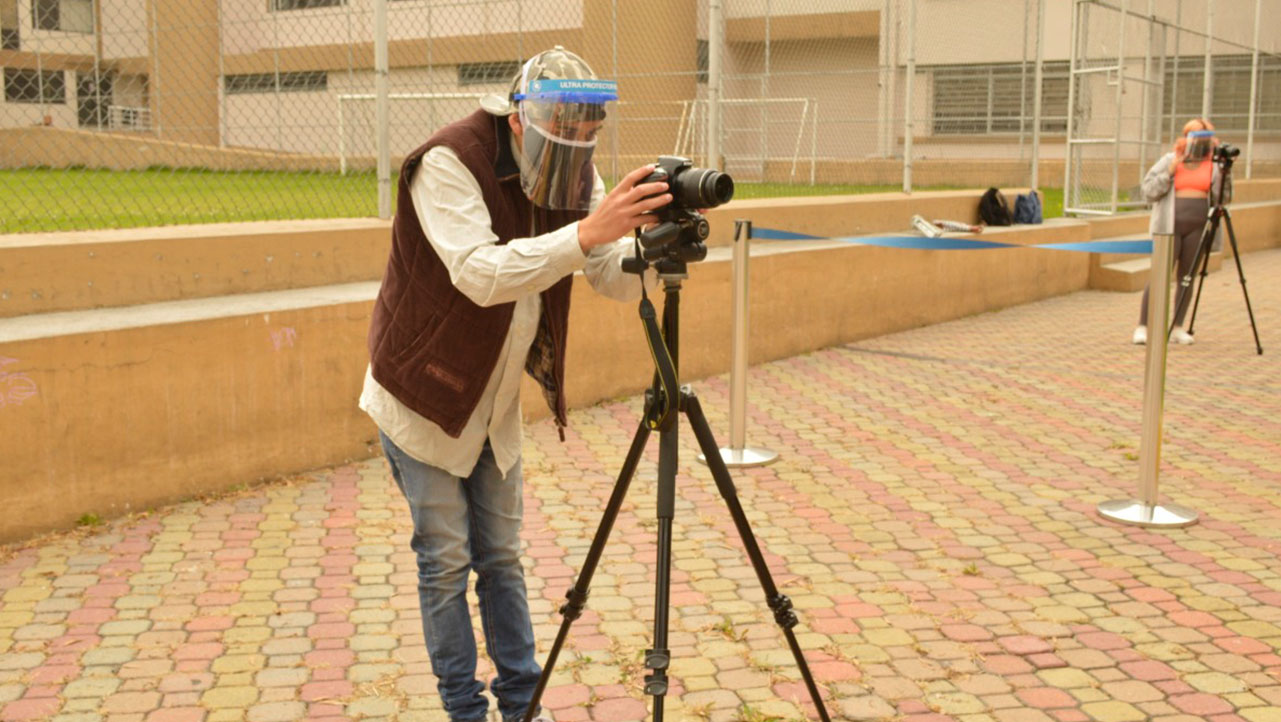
[1189, 224]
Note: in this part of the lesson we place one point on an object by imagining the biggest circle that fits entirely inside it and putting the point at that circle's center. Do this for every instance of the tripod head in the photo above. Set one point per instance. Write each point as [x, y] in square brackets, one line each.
[1225, 155]
[670, 246]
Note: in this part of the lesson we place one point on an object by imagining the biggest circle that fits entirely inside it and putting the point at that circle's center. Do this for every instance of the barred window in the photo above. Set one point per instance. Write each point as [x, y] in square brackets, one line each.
[981, 99]
[31, 86]
[10, 39]
[70, 16]
[485, 73]
[300, 82]
[1229, 91]
[277, 5]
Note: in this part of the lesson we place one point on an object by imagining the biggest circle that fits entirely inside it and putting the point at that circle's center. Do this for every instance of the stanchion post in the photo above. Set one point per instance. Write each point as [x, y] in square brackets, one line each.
[1147, 510]
[737, 454]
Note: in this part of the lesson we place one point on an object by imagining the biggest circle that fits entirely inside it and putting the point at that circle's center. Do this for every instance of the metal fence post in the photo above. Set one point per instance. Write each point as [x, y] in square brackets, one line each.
[275, 56]
[1206, 85]
[1027, 8]
[715, 47]
[1147, 510]
[907, 92]
[1036, 99]
[1254, 93]
[737, 454]
[381, 115]
[1068, 151]
[154, 86]
[222, 83]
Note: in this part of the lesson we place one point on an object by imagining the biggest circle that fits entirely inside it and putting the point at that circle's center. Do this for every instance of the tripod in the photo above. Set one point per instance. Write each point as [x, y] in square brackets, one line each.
[1218, 213]
[663, 401]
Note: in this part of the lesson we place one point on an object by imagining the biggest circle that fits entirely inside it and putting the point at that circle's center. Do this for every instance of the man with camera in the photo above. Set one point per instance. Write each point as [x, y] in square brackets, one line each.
[497, 212]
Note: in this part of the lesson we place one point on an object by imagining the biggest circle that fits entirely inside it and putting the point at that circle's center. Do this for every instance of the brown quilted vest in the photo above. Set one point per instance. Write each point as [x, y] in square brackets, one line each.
[431, 346]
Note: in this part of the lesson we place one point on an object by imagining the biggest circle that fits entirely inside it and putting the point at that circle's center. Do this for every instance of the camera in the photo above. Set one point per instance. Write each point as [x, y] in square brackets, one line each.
[1226, 152]
[692, 189]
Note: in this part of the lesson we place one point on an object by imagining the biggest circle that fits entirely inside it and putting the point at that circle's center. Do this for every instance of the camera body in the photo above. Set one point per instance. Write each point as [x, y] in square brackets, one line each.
[682, 229]
[1226, 152]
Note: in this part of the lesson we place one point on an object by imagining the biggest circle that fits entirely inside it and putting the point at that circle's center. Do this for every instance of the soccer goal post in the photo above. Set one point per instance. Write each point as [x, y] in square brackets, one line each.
[691, 134]
[347, 98]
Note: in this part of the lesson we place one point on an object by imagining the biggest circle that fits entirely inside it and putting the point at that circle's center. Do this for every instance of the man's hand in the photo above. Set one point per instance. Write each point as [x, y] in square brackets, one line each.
[626, 207]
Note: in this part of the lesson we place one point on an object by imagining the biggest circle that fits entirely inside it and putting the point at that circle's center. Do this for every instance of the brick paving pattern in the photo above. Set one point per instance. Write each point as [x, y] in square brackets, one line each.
[932, 517]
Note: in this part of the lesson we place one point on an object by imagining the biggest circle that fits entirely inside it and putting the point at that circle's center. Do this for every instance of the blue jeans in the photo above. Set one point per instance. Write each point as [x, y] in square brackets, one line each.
[461, 525]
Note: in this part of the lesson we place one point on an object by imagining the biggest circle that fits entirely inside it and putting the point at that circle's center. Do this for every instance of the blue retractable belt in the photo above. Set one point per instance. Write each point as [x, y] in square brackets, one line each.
[955, 244]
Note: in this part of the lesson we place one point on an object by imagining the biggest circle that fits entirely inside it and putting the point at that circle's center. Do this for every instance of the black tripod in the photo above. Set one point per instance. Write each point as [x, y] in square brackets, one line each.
[662, 402]
[1218, 213]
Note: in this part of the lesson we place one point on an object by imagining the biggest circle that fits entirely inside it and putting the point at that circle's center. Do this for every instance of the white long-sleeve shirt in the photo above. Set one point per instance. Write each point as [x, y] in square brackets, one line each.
[452, 211]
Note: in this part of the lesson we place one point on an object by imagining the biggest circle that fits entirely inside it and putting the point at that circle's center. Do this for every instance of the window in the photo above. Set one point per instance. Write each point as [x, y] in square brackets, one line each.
[30, 86]
[702, 60]
[981, 99]
[71, 16]
[93, 98]
[10, 39]
[266, 82]
[277, 5]
[484, 73]
[1229, 92]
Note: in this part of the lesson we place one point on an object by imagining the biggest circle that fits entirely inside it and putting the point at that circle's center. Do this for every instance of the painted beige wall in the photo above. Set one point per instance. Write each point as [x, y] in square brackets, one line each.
[183, 83]
[47, 272]
[125, 29]
[847, 102]
[123, 420]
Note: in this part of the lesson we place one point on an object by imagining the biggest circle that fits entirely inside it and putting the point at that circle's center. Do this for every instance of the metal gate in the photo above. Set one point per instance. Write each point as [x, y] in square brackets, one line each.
[1115, 96]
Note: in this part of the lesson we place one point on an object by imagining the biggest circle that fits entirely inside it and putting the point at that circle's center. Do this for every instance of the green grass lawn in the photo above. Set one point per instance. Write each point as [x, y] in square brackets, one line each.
[79, 199]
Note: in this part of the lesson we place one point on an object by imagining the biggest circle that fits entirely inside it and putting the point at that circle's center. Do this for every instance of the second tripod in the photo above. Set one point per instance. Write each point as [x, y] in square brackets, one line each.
[1217, 215]
[664, 402]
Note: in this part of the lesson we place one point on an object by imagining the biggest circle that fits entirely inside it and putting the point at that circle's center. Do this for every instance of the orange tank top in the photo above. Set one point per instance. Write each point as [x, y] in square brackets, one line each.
[1193, 179]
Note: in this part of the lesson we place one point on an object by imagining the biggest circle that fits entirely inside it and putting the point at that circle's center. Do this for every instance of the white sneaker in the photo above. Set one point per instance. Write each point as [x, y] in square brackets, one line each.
[543, 716]
[1178, 335]
[1141, 335]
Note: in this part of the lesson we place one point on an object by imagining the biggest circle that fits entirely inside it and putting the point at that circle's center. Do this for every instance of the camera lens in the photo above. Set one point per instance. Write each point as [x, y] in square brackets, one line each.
[717, 188]
[702, 188]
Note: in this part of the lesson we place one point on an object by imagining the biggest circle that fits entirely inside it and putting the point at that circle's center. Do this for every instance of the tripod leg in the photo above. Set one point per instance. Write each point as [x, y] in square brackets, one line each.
[659, 658]
[1236, 255]
[779, 604]
[1202, 262]
[577, 595]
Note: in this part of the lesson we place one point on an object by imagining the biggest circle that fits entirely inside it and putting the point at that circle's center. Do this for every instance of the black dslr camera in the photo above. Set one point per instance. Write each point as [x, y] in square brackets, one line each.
[1226, 153]
[681, 229]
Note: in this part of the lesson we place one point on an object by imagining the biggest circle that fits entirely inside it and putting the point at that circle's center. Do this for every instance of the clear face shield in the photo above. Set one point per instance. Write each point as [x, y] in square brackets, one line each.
[562, 120]
[1200, 145]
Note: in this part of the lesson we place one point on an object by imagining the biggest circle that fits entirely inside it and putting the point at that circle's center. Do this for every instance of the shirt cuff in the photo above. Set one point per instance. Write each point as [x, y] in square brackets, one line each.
[566, 252]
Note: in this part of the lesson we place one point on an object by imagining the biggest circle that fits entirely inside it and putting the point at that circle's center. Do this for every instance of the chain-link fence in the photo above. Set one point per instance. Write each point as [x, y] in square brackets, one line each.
[120, 113]
[1139, 69]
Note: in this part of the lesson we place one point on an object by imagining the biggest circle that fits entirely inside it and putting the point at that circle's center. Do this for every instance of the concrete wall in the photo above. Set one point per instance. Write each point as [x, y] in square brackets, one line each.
[62, 148]
[183, 385]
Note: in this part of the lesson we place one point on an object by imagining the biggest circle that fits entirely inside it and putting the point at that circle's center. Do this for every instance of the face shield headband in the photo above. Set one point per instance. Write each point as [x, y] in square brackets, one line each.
[1200, 143]
[561, 119]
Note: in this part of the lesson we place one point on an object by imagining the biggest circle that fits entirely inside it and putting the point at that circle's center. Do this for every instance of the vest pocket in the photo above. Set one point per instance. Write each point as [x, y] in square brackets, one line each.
[423, 359]
[419, 344]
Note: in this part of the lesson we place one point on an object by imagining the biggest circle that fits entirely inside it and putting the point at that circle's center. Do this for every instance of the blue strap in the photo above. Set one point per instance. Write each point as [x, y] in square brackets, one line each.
[955, 244]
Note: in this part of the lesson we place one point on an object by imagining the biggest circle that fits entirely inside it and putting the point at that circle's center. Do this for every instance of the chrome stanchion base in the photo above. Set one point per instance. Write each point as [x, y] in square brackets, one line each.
[1136, 513]
[739, 458]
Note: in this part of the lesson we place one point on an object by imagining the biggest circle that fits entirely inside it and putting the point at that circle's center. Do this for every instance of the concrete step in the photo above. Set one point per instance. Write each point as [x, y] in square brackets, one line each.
[1132, 274]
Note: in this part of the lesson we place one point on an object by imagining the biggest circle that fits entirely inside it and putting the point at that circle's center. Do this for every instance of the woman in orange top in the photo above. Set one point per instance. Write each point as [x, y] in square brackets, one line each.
[1179, 186]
